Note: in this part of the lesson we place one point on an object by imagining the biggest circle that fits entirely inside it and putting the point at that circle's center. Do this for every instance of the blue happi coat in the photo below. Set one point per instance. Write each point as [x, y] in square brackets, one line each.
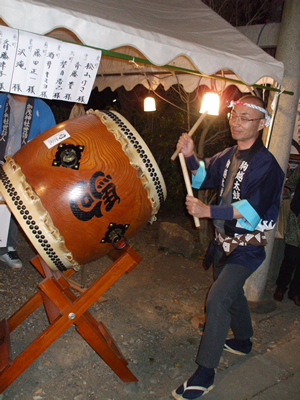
[260, 183]
[42, 116]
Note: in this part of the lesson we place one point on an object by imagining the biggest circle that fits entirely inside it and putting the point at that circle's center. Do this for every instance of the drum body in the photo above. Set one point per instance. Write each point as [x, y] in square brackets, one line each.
[81, 187]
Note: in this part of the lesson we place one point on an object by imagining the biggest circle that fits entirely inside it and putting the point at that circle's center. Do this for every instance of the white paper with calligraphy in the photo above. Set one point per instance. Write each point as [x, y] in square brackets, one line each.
[52, 51]
[51, 69]
[87, 73]
[28, 65]
[77, 73]
[8, 48]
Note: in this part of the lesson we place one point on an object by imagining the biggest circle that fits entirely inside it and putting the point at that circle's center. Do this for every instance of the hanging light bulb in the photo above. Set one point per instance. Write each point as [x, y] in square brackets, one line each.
[149, 104]
[210, 103]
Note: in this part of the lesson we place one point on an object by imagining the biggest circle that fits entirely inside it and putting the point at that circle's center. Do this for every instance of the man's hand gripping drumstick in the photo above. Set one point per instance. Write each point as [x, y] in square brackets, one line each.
[191, 132]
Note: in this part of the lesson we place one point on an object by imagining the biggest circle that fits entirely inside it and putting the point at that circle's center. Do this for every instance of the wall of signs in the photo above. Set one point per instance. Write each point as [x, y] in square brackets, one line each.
[38, 66]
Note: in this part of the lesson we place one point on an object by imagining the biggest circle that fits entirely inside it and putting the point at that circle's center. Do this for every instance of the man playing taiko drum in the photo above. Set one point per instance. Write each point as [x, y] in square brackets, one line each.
[249, 182]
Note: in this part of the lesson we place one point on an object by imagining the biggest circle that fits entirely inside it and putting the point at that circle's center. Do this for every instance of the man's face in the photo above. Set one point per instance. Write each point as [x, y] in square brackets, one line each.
[245, 124]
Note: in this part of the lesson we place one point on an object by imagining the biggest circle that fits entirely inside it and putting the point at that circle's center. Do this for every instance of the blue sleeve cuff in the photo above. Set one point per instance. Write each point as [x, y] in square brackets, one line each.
[221, 212]
[198, 179]
[251, 218]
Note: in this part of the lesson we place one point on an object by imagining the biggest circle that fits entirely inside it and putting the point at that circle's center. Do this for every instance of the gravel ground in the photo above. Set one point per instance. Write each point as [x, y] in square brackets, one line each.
[154, 313]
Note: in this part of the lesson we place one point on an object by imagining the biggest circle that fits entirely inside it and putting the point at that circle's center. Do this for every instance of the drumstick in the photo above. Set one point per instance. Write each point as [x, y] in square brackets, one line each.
[191, 132]
[188, 183]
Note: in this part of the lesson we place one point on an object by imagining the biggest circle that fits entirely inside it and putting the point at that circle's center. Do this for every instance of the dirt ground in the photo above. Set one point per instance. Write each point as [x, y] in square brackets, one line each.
[150, 313]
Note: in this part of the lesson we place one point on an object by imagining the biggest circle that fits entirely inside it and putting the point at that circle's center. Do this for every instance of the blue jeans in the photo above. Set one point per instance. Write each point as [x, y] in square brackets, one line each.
[12, 238]
[226, 306]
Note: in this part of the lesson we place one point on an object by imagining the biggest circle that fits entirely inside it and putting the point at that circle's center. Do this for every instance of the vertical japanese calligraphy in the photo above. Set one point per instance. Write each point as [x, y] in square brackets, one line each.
[47, 68]
[8, 48]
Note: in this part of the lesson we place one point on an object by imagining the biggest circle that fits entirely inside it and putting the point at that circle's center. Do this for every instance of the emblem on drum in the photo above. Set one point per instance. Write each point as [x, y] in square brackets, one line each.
[68, 156]
[91, 199]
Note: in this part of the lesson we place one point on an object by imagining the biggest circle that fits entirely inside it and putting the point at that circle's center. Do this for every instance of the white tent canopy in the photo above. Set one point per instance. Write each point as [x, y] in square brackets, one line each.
[181, 33]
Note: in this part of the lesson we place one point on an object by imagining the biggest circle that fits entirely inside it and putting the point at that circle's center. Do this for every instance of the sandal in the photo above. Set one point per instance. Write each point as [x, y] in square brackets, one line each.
[193, 391]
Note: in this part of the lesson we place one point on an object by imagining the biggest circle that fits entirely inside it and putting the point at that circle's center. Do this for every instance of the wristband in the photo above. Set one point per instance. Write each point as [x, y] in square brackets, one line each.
[192, 163]
[221, 212]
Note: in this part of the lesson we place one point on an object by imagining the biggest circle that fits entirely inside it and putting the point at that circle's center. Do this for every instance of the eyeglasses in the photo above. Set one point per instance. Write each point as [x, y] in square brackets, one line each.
[233, 118]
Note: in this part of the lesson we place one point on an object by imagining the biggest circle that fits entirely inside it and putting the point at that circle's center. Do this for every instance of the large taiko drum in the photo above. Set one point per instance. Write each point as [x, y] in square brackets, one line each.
[82, 188]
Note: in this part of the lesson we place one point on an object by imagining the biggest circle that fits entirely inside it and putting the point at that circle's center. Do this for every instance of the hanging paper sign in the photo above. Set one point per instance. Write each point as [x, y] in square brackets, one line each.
[63, 83]
[77, 73]
[28, 67]
[87, 74]
[52, 52]
[51, 69]
[8, 48]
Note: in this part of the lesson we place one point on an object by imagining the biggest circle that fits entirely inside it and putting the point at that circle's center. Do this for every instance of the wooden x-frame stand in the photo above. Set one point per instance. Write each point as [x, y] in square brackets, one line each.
[64, 309]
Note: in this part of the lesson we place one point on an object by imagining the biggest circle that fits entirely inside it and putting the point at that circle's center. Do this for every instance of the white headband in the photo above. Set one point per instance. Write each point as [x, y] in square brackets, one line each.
[240, 103]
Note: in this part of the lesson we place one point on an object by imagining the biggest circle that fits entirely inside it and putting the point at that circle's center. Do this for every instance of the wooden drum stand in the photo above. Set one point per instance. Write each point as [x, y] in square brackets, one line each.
[63, 309]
